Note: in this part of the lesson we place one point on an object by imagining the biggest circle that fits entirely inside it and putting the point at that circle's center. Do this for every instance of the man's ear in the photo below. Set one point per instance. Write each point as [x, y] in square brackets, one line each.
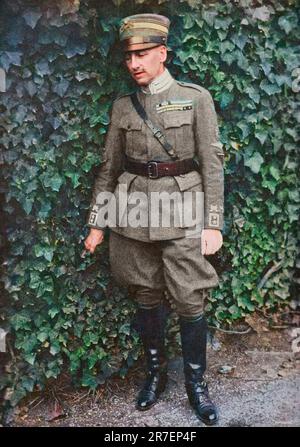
[163, 53]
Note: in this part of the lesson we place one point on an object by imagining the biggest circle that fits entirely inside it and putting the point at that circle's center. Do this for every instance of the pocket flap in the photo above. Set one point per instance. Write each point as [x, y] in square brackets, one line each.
[126, 178]
[172, 119]
[189, 180]
[131, 123]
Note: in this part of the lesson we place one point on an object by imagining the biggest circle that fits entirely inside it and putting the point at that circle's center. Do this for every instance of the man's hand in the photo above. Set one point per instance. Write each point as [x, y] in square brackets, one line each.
[94, 238]
[211, 241]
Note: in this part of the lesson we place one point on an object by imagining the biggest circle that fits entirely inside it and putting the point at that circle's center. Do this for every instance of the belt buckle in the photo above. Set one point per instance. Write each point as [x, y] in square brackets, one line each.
[152, 165]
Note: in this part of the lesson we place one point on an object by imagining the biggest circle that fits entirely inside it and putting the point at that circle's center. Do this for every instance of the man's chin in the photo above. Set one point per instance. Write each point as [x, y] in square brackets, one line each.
[141, 80]
[141, 83]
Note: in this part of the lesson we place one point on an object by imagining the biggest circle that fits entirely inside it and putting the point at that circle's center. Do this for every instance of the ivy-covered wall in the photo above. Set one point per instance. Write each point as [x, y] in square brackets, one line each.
[63, 68]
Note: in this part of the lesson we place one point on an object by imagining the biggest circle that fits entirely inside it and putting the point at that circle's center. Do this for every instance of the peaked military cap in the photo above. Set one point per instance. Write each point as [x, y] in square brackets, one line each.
[143, 31]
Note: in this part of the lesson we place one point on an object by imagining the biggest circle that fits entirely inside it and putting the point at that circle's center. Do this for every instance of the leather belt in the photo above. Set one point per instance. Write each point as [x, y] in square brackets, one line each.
[155, 169]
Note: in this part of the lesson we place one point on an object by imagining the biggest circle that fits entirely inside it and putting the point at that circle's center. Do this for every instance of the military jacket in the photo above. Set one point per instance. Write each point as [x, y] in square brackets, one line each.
[186, 115]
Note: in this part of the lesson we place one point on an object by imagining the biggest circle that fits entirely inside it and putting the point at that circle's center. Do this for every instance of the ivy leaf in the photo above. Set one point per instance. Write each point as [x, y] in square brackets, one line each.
[263, 13]
[288, 22]
[188, 21]
[183, 55]
[28, 383]
[31, 17]
[74, 176]
[53, 312]
[244, 128]
[282, 79]
[31, 88]
[54, 121]
[30, 358]
[235, 311]
[254, 162]
[20, 114]
[42, 67]
[223, 22]
[261, 134]
[8, 58]
[270, 184]
[75, 47]
[45, 251]
[27, 204]
[53, 181]
[270, 89]
[45, 286]
[253, 94]
[42, 336]
[61, 87]
[44, 210]
[293, 211]
[254, 70]
[90, 381]
[275, 172]
[225, 99]
[209, 17]
[245, 303]
[240, 40]
[20, 321]
[55, 348]
[125, 329]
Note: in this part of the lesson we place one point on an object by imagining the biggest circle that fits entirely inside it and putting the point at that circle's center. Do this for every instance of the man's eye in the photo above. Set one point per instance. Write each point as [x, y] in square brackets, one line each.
[139, 54]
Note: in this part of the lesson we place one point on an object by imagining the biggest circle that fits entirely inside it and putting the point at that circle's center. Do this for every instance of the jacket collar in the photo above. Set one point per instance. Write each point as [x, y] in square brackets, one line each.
[159, 84]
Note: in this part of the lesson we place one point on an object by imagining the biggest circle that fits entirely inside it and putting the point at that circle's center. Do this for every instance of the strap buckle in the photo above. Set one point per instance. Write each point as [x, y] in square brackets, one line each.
[158, 134]
[152, 169]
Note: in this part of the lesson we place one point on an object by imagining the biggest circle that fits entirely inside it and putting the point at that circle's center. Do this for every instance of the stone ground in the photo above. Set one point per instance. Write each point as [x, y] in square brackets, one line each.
[253, 378]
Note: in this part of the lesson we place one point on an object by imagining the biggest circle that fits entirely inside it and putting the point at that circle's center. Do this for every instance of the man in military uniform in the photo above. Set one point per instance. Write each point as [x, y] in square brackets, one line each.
[163, 139]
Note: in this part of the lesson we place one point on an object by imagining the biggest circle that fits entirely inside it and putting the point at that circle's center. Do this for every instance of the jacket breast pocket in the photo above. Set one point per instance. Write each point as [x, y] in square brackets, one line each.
[132, 129]
[179, 130]
[191, 206]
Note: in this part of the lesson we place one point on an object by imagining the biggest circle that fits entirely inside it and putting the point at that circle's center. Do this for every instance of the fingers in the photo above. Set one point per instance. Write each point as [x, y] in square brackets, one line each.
[210, 245]
[90, 246]
[91, 242]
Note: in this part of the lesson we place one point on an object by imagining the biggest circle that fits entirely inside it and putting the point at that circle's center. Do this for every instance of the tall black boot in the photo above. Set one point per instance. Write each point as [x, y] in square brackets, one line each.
[193, 339]
[150, 324]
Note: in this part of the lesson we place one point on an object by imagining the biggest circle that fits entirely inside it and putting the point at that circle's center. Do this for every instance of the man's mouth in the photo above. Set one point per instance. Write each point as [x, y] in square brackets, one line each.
[138, 73]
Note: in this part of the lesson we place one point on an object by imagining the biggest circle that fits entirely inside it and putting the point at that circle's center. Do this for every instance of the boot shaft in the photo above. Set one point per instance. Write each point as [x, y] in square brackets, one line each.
[193, 341]
[151, 325]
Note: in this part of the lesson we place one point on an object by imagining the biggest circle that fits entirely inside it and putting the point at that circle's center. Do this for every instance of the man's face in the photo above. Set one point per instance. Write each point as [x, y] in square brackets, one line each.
[145, 65]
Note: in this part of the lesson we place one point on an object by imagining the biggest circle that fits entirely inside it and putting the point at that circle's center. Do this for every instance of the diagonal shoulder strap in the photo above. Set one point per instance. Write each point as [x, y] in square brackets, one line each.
[155, 130]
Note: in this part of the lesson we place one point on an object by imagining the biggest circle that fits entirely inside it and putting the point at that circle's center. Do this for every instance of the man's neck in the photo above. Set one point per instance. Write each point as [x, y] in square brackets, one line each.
[159, 84]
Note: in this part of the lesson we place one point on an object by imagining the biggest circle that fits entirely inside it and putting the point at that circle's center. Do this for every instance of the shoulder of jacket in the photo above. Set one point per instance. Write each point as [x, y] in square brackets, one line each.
[191, 85]
[123, 95]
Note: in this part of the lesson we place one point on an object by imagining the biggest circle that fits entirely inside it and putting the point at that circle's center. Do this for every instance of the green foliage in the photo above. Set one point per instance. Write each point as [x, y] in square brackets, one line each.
[64, 69]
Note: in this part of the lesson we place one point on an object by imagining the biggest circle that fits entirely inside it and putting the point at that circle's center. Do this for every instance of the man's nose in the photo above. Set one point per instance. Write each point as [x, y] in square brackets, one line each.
[135, 63]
